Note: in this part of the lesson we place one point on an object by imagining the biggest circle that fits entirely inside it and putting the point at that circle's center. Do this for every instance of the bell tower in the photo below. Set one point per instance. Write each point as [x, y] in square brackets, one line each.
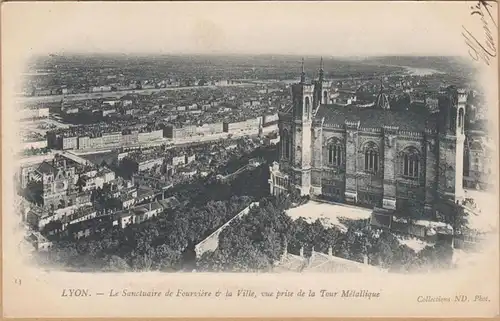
[302, 94]
[321, 93]
[452, 102]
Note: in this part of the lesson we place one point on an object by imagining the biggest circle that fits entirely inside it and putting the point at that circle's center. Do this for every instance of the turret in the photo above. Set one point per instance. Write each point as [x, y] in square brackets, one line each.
[321, 71]
[303, 94]
[382, 101]
[321, 88]
[451, 127]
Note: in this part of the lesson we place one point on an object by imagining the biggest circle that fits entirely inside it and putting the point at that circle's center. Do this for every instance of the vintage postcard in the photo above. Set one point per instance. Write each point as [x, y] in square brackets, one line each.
[250, 159]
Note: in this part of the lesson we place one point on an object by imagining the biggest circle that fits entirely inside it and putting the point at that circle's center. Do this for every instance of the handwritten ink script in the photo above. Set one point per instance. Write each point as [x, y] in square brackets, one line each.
[482, 47]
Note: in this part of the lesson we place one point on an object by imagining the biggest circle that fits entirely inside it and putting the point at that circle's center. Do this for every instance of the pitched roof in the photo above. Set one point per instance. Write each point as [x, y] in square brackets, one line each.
[376, 118]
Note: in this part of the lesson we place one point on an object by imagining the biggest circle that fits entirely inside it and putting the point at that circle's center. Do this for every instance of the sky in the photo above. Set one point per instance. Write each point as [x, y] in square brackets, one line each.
[312, 28]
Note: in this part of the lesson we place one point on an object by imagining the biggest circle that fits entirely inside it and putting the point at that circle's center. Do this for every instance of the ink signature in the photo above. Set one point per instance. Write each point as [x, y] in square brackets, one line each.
[482, 48]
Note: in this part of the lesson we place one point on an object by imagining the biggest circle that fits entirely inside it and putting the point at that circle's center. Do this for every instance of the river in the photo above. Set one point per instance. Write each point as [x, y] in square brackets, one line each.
[421, 71]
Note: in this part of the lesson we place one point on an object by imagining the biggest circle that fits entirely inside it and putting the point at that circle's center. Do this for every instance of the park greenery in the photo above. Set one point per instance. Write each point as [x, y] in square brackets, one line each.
[254, 242]
[166, 242]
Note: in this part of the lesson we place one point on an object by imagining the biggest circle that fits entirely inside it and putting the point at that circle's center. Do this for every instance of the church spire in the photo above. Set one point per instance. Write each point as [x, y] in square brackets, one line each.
[303, 73]
[382, 101]
[321, 71]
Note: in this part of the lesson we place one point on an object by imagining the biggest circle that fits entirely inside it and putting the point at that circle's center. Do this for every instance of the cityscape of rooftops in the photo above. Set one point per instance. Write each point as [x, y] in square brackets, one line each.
[208, 162]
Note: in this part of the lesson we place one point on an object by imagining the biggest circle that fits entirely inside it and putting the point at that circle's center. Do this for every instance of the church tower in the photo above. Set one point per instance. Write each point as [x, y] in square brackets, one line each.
[452, 103]
[302, 94]
[382, 101]
[321, 88]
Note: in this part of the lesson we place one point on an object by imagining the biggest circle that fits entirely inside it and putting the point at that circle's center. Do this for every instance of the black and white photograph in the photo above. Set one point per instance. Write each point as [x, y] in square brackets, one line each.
[347, 151]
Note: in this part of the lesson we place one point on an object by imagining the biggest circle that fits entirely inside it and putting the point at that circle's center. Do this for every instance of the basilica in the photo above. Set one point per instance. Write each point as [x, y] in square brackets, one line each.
[394, 160]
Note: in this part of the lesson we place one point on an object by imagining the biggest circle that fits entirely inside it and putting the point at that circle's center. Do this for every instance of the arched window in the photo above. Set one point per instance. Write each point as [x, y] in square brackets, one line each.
[307, 106]
[325, 97]
[410, 163]
[371, 158]
[335, 154]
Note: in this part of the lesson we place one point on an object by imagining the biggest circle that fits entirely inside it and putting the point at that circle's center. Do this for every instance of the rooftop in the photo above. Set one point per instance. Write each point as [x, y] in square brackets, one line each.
[142, 209]
[376, 118]
[170, 202]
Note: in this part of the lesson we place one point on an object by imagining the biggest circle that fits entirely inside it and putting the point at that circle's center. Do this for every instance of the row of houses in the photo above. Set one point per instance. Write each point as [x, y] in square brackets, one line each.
[122, 219]
[136, 162]
[230, 127]
[63, 141]
[88, 221]
[133, 85]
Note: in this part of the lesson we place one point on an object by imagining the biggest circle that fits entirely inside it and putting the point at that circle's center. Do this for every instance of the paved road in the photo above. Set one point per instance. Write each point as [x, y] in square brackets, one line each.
[115, 94]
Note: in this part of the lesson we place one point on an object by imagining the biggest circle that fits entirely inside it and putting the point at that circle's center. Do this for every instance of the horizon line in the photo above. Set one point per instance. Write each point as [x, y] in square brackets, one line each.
[318, 56]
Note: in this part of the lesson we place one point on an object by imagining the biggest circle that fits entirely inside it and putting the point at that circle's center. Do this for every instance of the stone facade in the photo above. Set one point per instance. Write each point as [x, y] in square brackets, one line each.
[374, 157]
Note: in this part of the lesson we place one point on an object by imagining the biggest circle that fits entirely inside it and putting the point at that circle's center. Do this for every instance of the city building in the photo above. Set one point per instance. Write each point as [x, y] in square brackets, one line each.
[251, 124]
[55, 179]
[139, 162]
[393, 160]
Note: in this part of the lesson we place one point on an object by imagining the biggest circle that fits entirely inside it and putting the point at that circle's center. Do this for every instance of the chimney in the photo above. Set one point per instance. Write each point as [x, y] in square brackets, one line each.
[330, 251]
[301, 252]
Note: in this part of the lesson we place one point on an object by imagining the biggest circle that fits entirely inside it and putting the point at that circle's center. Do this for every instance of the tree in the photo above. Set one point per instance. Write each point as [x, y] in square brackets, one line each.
[115, 263]
[438, 256]
[166, 259]
[142, 262]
